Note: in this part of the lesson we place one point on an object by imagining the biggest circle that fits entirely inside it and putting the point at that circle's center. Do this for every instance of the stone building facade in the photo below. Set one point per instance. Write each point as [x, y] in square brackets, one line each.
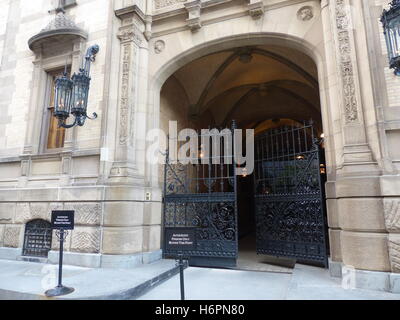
[161, 60]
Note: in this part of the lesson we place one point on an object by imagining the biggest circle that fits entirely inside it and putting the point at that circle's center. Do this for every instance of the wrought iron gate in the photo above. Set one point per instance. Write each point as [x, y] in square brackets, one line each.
[289, 201]
[202, 196]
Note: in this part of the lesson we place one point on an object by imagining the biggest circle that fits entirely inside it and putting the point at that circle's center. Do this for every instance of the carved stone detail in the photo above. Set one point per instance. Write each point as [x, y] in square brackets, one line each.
[130, 39]
[7, 211]
[31, 211]
[12, 236]
[85, 213]
[131, 33]
[124, 99]
[392, 214]
[159, 4]
[86, 240]
[23, 214]
[346, 65]
[394, 252]
[256, 9]
[39, 211]
[194, 10]
[159, 46]
[305, 13]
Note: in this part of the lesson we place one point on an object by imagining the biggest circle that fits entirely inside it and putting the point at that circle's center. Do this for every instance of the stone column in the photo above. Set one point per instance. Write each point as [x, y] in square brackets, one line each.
[356, 152]
[126, 235]
[358, 235]
[123, 169]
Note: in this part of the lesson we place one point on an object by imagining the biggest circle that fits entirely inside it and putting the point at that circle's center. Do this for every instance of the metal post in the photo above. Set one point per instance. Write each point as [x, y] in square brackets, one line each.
[60, 290]
[61, 258]
[181, 269]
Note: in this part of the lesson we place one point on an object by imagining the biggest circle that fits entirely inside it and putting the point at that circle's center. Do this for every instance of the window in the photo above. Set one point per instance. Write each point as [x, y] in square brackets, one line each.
[37, 240]
[55, 135]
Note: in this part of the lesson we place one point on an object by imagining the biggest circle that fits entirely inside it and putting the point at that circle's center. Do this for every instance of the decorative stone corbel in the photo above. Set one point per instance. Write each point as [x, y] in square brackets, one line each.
[147, 32]
[194, 10]
[256, 9]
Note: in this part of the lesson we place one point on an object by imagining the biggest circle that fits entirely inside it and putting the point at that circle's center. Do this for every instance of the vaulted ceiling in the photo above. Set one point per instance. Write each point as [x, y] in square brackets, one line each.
[251, 85]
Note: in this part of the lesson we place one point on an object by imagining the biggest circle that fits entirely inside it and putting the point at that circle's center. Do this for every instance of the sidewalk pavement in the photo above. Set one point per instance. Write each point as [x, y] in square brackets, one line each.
[160, 281]
[305, 283]
[29, 281]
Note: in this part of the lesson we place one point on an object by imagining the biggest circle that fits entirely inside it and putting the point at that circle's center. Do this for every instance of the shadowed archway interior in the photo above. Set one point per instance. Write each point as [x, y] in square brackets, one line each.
[247, 84]
[261, 88]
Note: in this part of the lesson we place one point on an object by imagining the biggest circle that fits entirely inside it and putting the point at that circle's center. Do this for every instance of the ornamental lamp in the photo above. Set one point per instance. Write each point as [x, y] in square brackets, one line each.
[78, 92]
[63, 97]
[391, 24]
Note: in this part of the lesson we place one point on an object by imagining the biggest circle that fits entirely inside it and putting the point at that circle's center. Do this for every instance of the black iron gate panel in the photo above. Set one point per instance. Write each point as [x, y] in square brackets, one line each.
[202, 196]
[290, 217]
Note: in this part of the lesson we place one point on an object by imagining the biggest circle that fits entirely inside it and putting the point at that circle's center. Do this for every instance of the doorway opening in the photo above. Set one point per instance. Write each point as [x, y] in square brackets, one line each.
[267, 89]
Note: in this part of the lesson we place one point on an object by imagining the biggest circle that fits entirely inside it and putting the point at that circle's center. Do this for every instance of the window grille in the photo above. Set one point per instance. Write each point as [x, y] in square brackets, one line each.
[37, 240]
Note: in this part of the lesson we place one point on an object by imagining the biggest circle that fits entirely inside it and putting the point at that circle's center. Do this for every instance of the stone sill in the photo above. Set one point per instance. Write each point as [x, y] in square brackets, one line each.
[53, 155]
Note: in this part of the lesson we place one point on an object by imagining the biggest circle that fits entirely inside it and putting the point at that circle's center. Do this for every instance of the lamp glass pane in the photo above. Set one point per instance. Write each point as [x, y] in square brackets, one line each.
[63, 96]
[80, 90]
[394, 35]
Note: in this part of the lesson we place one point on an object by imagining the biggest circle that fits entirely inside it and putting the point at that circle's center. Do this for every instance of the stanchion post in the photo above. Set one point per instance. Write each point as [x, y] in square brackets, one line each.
[61, 220]
[60, 264]
[182, 279]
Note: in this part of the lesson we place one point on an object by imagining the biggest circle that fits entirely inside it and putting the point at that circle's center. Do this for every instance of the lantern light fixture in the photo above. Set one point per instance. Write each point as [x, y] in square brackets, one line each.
[391, 24]
[71, 94]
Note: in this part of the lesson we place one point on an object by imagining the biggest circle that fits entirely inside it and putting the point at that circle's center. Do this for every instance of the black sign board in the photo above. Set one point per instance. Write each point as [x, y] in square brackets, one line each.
[179, 240]
[62, 219]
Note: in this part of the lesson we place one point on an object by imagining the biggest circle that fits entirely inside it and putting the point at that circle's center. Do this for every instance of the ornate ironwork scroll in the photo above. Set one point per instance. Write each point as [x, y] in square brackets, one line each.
[203, 197]
[290, 217]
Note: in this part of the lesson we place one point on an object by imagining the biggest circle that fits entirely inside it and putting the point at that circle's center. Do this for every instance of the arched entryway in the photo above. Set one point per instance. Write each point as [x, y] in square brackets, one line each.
[261, 85]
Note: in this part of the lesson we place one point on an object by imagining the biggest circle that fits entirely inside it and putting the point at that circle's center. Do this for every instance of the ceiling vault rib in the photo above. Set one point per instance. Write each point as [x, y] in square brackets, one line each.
[307, 76]
[288, 92]
[252, 85]
[181, 86]
[290, 64]
[214, 77]
[237, 104]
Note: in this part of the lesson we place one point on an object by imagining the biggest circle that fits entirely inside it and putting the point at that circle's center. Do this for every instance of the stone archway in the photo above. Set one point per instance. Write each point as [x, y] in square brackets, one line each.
[314, 51]
[251, 84]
